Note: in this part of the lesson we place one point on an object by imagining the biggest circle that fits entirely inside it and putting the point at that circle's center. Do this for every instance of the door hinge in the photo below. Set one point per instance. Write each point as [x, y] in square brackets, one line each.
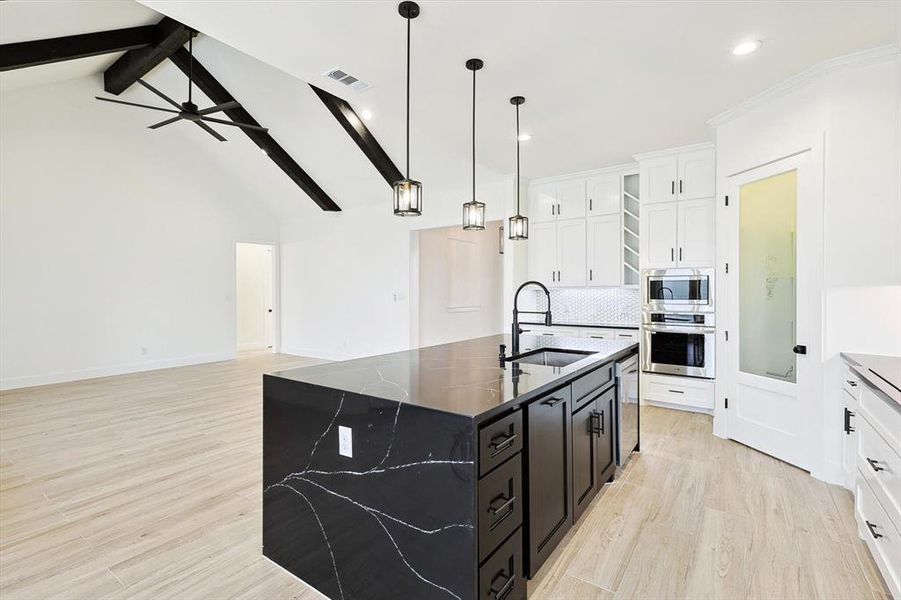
[727, 335]
[727, 200]
[727, 268]
[727, 403]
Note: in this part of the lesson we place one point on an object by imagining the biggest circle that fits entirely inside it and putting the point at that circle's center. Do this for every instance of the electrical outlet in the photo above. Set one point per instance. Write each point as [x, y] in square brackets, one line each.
[345, 441]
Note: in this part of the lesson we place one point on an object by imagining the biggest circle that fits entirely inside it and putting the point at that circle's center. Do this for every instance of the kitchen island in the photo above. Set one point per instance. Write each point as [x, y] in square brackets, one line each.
[441, 472]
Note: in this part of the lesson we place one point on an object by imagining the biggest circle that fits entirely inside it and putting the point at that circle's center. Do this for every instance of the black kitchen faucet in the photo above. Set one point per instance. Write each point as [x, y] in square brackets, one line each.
[547, 313]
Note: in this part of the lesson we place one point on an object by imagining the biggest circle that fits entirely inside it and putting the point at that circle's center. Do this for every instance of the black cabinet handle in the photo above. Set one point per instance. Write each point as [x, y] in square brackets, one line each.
[552, 401]
[680, 186]
[590, 274]
[598, 429]
[680, 253]
[676, 391]
[590, 205]
[874, 464]
[848, 415]
[500, 443]
[559, 278]
[851, 382]
[872, 528]
[508, 502]
[672, 187]
[552, 209]
[505, 589]
[553, 276]
[672, 254]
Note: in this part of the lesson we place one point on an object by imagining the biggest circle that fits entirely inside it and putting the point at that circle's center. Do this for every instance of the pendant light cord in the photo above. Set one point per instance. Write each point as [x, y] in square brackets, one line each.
[517, 160]
[473, 135]
[408, 97]
[190, 63]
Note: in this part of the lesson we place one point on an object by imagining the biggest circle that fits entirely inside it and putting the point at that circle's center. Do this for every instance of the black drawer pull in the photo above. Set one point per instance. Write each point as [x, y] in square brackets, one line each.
[872, 528]
[508, 503]
[676, 391]
[874, 464]
[504, 590]
[500, 443]
[848, 415]
[851, 383]
[552, 401]
[503, 517]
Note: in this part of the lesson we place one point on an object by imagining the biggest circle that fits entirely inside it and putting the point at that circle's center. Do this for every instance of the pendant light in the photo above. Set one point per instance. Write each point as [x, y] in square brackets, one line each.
[407, 192]
[519, 225]
[474, 211]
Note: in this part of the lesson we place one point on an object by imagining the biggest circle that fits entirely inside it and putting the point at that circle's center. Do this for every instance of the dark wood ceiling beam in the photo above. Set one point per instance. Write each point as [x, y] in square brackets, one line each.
[134, 64]
[214, 90]
[359, 133]
[41, 52]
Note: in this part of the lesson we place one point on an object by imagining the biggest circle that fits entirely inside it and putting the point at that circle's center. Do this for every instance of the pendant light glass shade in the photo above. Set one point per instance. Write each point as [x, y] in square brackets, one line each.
[407, 192]
[474, 211]
[474, 215]
[407, 198]
[519, 225]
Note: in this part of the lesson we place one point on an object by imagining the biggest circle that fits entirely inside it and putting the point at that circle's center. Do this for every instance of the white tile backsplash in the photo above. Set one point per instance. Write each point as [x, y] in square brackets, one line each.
[587, 306]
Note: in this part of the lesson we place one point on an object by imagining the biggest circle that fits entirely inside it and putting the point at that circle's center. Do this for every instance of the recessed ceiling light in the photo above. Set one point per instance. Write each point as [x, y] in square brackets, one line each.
[746, 48]
[524, 137]
[366, 114]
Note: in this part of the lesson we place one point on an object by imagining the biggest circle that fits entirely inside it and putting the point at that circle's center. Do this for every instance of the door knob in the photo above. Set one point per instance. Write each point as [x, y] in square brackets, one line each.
[800, 349]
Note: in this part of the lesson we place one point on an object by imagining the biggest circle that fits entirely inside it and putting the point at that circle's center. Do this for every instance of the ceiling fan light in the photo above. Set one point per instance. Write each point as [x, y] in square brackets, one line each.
[407, 198]
[474, 215]
[519, 227]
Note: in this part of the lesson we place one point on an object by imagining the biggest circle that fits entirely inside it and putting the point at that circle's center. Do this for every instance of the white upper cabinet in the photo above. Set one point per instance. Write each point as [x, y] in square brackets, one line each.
[658, 179]
[697, 230]
[571, 199]
[571, 251]
[697, 172]
[659, 235]
[543, 252]
[603, 194]
[543, 202]
[604, 250]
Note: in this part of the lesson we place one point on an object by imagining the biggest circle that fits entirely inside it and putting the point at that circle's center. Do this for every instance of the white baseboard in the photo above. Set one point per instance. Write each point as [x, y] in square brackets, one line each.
[683, 407]
[830, 472]
[252, 346]
[12, 383]
[316, 353]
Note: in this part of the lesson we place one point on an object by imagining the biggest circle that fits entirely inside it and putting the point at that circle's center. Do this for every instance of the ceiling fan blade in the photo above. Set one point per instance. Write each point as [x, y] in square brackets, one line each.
[160, 94]
[210, 131]
[218, 107]
[168, 110]
[233, 124]
[164, 123]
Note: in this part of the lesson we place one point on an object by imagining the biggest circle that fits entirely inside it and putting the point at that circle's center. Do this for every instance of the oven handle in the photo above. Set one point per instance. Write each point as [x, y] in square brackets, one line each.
[678, 329]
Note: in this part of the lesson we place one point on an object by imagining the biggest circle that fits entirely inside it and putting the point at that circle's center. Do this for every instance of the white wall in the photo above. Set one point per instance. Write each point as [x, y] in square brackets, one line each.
[853, 103]
[253, 274]
[116, 243]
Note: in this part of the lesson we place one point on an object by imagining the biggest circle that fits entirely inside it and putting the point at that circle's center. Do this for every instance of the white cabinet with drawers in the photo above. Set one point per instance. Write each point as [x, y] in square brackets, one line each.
[686, 393]
[599, 333]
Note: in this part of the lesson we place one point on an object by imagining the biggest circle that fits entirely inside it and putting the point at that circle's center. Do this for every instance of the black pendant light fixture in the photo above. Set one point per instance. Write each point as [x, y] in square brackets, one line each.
[519, 225]
[474, 211]
[407, 192]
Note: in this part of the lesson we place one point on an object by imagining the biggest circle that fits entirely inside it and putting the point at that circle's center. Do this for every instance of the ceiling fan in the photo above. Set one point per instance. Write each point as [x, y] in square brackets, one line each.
[188, 111]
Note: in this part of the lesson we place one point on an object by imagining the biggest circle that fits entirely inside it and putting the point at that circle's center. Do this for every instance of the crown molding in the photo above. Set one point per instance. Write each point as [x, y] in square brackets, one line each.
[676, 150]
[807, 76]
[622, 168]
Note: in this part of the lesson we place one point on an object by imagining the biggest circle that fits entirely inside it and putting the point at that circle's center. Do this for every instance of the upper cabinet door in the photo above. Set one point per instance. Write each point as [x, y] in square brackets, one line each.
[571, 199]
[543, 252]
[697, 230]
[571, 251]
[604, 250]
[542, 202]
[603, 195]
[697, 175]
[658, 179]
[658, 235]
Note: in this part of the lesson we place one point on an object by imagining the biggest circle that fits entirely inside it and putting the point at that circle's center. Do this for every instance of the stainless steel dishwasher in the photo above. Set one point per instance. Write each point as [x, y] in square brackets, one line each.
[627, 437]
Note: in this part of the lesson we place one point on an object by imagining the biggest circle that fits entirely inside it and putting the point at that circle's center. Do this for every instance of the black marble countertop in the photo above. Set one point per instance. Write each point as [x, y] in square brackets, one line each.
[592, 326]
[881, 372]
[462, 378]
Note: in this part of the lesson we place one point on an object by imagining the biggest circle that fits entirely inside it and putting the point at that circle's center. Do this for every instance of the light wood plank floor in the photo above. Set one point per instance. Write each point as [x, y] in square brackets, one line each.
[148, 486]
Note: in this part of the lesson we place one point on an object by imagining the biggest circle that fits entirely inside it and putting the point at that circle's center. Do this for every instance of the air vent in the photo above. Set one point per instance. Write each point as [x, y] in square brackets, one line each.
[347, 79]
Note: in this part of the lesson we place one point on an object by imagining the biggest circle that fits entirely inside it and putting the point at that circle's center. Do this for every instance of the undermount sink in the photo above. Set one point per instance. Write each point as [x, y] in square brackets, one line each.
[550, 357]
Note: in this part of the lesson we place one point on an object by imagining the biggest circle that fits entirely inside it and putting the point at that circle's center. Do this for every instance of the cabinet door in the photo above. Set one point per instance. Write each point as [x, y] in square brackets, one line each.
[585, 472]
[658, 179]
[571, 199]
[543, 252]
[571, 253]
[542, 202]
[697, 175]
[658, 235]
[549, 457]
[603, 195]
[606, 457]
[697, 231]
[604, 249]
[599, 334]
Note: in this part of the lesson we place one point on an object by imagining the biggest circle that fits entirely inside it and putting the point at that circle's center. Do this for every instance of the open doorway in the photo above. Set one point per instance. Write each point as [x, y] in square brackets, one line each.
[255, 297]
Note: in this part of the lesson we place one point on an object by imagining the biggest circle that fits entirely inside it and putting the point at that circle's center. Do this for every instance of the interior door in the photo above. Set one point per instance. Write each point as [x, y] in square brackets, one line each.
[658, 179]
[543, 252]
[543, 202]
[775, 224]
[604, 250]
[571, 253]
[697, 233]
[658, 235]
[269, 300]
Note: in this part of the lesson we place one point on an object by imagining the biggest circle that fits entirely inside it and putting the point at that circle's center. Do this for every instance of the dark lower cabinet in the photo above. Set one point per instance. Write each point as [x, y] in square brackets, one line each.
[593, 461]
[549, 485]
[503, 576]
[606, 436]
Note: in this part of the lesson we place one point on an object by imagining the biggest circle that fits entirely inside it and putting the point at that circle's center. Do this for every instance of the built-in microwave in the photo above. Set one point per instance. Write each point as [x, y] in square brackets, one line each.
[679, 344]
[677, 291]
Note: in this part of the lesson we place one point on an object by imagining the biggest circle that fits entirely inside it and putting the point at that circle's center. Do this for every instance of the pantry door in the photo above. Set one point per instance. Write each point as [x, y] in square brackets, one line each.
[774, 296]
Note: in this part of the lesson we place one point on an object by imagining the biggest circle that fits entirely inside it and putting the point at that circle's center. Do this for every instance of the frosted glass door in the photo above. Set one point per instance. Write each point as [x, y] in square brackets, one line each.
[767, 276]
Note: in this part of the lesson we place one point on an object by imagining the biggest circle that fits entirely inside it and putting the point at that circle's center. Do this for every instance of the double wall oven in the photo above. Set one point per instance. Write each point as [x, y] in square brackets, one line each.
[678, 322]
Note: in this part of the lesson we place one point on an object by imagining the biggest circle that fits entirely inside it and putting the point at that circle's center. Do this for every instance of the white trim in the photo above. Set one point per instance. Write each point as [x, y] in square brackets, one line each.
[625, 167]
[677, 150]
[316, 353]
[673, 406]
[276, 282]
[809, 75]
[12, 383]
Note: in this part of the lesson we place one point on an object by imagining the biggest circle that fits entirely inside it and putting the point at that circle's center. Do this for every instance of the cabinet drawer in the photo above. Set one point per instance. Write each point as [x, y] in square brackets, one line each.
[627, 334]
[879, 464]
[592, 381]
[880, 536]
[502, 576]
[850, 382]
[884, 418]
[500, 505]
[678, 390]
[599, 334]
[499, 441]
